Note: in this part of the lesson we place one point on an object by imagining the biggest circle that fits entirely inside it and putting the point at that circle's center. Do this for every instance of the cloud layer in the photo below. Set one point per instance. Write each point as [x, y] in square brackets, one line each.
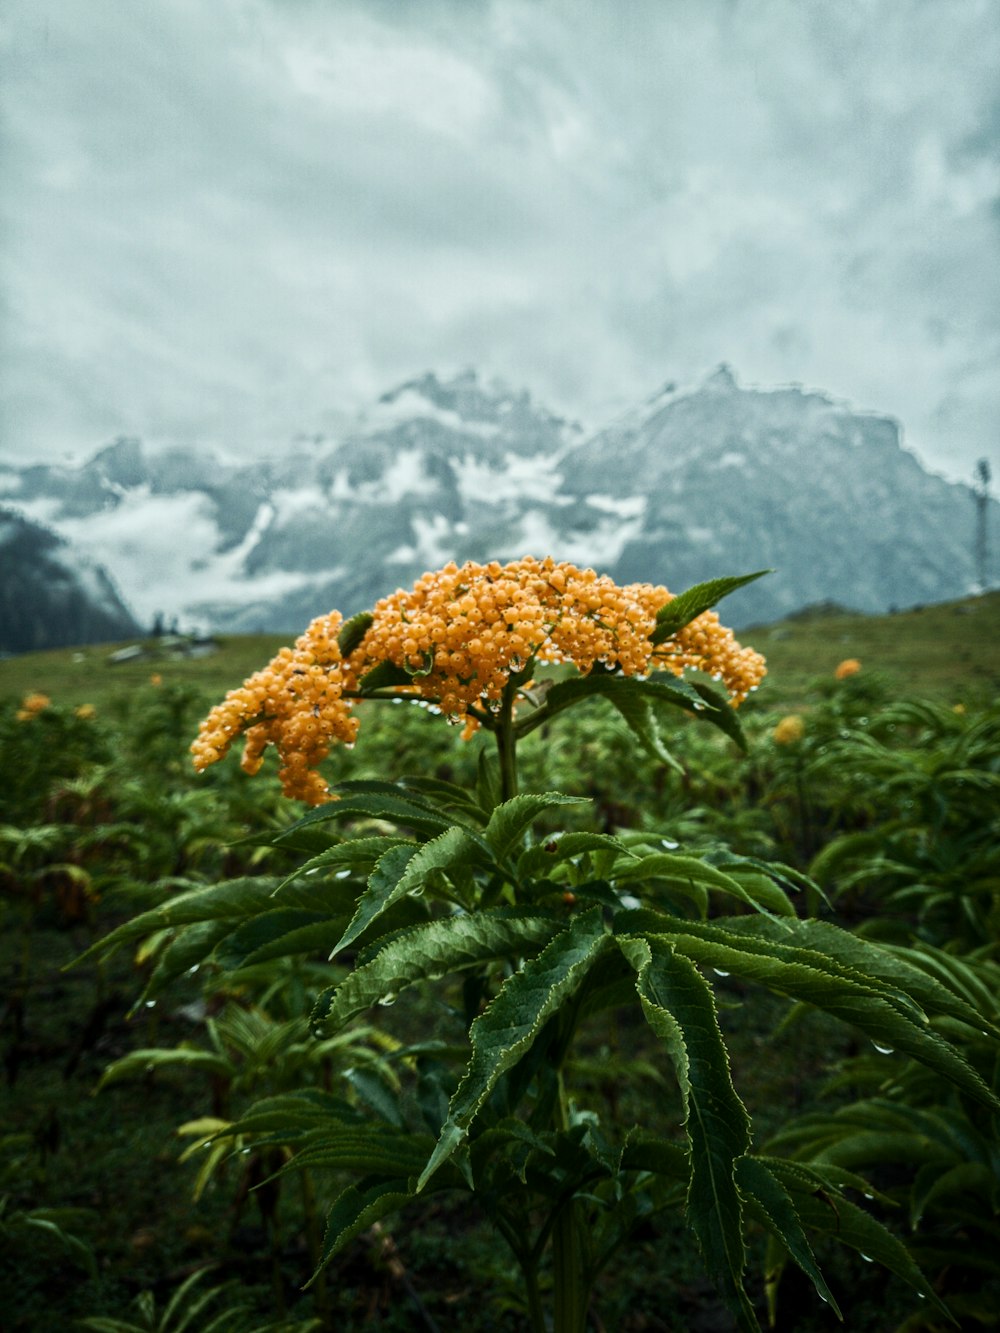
[227, 222]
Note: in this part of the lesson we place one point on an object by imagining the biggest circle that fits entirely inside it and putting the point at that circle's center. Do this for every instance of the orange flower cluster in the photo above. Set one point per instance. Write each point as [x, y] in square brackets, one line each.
[296, 703]
[462, 633]
[849, 667]
[31, 706]
[789, 730]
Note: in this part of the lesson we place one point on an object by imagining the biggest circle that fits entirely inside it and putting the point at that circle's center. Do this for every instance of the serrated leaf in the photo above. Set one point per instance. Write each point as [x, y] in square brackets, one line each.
[678, 1005]
[701, 597]
[405, 869]
[374, 1149]
[279, 934]
[691, 874]
[432, 950]
[882, 1010]
[886, 964]
[852, 1226]
[760, 1185]
[355, 852]
[509, 821]
[376, 1094]
[388, 805]
[354, 1211]
[234, 898]
[507, 1028]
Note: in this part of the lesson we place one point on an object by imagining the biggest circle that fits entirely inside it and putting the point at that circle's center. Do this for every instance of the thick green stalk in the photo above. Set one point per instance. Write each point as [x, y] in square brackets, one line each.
[570, 1286]
[507, 744]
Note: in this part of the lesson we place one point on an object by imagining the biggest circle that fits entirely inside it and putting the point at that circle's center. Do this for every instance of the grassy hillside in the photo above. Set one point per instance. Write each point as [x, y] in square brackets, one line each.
[934, 651]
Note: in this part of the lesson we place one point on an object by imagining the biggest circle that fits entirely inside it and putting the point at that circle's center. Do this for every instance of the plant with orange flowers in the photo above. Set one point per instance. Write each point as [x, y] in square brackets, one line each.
[531, 937]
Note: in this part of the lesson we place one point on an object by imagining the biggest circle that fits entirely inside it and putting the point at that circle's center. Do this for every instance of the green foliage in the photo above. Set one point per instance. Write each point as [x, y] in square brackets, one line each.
[532, 1002]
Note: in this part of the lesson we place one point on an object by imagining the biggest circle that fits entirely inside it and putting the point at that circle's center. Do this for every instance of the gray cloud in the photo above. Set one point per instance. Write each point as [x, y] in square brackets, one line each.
[223, 222]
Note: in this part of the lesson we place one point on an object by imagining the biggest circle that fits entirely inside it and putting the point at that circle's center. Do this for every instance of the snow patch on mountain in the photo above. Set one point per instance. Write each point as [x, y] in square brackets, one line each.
[523, 478]
[409, 404]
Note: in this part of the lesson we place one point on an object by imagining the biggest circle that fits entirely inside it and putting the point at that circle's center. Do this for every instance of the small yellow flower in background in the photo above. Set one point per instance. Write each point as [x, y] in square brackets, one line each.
[460, 634]
[849, 667]
[156, 679]
[958, 708]
[85, 712]
[789, 730]
[32, 705]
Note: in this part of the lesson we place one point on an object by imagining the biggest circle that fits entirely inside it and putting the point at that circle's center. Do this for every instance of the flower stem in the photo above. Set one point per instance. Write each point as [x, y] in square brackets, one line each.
[507, 744]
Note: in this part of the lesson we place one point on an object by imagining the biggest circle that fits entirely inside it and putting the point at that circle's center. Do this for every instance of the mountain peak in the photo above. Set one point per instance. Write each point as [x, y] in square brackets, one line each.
[722, 379]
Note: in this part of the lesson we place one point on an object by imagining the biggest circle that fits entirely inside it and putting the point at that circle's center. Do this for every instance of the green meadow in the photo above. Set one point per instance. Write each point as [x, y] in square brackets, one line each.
[153, 1174]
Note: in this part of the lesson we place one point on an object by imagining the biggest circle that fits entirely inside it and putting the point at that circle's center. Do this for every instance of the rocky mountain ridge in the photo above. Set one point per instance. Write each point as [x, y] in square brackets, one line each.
[688, 485]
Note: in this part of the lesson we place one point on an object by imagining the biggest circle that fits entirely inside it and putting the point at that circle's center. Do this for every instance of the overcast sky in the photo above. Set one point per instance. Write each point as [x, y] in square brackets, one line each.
[227, 221]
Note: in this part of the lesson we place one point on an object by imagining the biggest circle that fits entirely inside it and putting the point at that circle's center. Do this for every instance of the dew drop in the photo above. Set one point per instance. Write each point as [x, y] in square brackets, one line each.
[669, 844]
[719, 972]
[387, 999]
[418, 891]
[869, 1196]
[867, 1257]
[150, 1004]
[342, 874]
[193, 970]
[882, 1049]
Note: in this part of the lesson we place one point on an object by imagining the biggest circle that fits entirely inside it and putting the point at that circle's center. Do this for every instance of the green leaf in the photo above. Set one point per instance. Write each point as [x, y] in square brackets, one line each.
[389, 804]
[882, 1010]
[679, 1007]
[384, 676]
[509, 820]
[189, 949]
[376, 1094]
[681, 610]
[762, 1188]
[356, 852]
[720, 712]
[508, 1027]
[896, 968]
[354, 1211]
[625, 692]
[353, 631]
[139, 1063]
[233, 899]
[279, 934]
[640, 717]
[544, 857]
[403, 870]
[488, 789]
[374, 1148]
[852, 1226]
[432, 950]
[691, 875]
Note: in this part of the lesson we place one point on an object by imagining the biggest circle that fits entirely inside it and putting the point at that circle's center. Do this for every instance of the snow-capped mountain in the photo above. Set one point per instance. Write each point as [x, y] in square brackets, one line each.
[50, 596]
[691, 484]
